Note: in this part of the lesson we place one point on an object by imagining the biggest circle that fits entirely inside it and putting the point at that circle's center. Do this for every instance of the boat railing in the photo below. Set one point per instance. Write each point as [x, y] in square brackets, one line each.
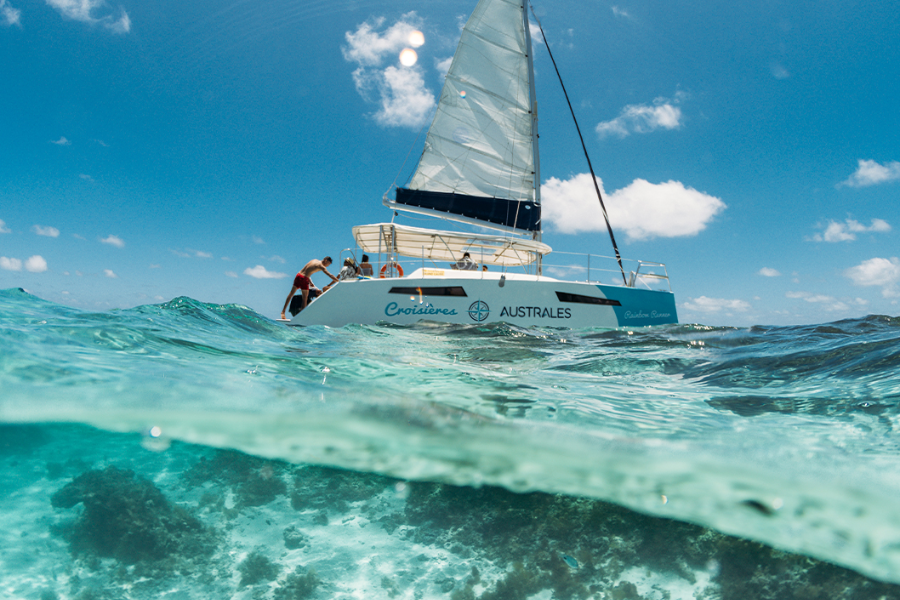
[590, 268]
[597, 268]
[654, 276]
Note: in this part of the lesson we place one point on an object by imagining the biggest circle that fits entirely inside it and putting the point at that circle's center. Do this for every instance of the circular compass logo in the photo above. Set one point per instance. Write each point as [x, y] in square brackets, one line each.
[479, 311]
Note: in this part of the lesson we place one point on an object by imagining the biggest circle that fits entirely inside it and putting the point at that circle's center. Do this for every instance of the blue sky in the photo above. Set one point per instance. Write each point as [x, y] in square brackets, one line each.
[210, 149]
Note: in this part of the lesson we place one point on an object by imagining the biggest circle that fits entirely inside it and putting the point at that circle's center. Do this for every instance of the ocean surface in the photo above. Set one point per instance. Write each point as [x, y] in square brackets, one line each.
[188, 450]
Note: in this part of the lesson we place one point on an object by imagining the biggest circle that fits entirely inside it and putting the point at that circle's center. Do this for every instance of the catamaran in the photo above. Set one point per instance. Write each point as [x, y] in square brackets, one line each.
[480, 167]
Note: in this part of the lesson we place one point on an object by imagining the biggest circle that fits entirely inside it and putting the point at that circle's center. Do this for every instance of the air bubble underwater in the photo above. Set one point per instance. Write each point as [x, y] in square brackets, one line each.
[154, 441]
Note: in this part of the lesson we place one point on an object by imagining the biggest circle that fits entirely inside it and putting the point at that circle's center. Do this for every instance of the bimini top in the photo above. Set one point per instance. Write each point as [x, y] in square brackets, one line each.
[448, 245]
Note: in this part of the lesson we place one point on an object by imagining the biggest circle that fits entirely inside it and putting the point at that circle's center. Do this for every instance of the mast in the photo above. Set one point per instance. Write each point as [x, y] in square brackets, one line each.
[536, 234]
[612, 237]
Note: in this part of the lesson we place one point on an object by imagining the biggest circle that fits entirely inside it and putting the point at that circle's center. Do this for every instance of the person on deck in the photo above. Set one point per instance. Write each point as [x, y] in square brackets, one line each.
[466, 263]
[349, 270]
[302, 281]
[365, 268]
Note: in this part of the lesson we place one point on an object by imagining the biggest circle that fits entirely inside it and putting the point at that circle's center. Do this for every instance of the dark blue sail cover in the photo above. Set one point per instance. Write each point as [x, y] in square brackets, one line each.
[524, 215]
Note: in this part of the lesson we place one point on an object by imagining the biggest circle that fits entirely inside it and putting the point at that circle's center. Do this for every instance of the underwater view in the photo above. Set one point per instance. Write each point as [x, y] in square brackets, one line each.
[188, 450]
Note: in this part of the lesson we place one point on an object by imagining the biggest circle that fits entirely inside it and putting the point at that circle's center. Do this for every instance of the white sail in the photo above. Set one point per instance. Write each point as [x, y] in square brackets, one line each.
[480, 142]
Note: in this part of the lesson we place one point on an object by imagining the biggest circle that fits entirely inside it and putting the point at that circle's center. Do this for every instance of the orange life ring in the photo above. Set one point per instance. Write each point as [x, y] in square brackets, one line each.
[389, 267]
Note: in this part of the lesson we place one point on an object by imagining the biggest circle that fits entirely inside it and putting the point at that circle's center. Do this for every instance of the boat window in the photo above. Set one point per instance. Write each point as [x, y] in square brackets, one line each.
[577, 298]
[446, 290]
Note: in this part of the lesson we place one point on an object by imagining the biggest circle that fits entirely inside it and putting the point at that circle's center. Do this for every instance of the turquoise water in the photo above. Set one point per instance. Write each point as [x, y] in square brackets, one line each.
[443, 461]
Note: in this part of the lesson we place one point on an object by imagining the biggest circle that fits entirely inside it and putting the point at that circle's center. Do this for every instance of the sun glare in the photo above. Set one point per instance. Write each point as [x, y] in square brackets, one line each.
[408, 57]
[416, 39]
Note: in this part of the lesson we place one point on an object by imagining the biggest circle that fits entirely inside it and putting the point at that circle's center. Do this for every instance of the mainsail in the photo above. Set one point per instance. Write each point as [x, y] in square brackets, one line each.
[480, 154]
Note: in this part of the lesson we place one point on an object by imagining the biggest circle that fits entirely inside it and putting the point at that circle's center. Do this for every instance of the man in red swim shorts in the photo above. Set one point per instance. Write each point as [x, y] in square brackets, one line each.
[302, 281]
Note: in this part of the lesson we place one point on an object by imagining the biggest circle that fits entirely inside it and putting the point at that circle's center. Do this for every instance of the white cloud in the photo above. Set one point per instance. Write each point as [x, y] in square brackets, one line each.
[403, 97]
[9, 16]
[190, 253]
[277, 259]
[113, 240]
[62, 141]
[4, 228]
[442, 66]
[121, 25]
[46, 231]
[86, 177]
[231, 274]
[536, 36]
[870, 172]
[400, 92]
[109, 273]
[260, 272]
[814, 298]
[644, 118]
[620, 12]
[85, 12]
[882, 272]
[768, 272]
[828, 302]
[846, 231]
[36, 264]
[709, 305]
[367, 47]
[258, 240]
[643, 210]
[779, 72]
[10, 264]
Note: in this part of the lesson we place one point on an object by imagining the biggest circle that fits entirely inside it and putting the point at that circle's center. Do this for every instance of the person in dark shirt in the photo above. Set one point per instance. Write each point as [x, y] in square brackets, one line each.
[365, 269]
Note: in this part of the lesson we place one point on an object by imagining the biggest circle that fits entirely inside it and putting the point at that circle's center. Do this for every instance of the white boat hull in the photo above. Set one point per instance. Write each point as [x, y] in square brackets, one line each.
[467, 298]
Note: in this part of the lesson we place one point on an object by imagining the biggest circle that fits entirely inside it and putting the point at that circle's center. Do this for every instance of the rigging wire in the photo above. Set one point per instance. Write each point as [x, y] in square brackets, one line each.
[583, 147]
[403, 165]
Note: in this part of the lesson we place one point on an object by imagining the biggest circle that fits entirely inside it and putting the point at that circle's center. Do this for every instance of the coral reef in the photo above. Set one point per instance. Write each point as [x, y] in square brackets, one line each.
[257, 568]
[333, 490]
[299, 585]
[580, 548]
[255, 481]
[129, 519]
[293, 538]
[624, 591]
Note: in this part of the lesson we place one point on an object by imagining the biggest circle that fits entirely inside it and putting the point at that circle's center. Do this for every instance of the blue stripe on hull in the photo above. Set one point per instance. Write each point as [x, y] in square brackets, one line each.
[641, 307]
